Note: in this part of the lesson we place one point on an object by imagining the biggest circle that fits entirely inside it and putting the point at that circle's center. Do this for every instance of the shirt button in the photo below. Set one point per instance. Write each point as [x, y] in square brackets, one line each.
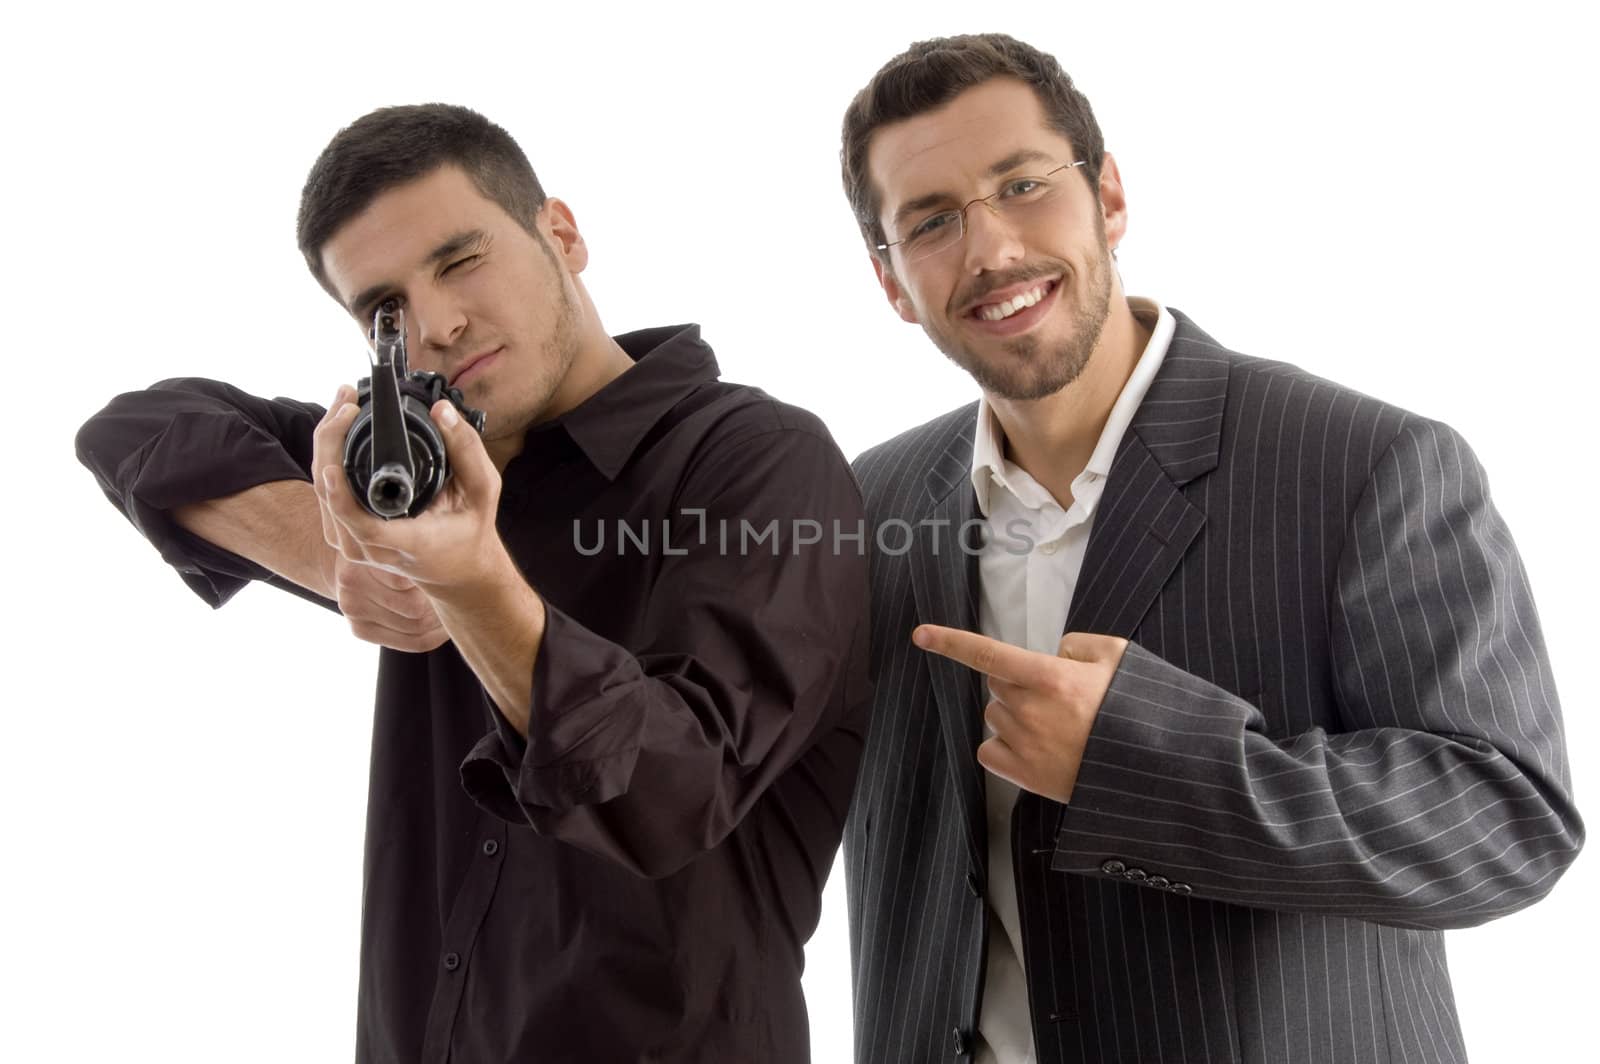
[490, 847]
[1050, 548]
[452, 961]
[1113, 868]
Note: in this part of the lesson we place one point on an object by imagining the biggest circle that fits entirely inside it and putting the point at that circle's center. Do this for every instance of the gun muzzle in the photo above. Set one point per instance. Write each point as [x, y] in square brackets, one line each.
[390, 491]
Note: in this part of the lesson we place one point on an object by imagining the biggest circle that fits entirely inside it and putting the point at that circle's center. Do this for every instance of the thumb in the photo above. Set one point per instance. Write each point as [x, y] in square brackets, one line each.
[463, 447]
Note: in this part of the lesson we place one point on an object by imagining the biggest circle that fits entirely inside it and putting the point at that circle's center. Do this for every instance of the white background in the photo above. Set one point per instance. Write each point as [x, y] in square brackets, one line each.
[1400, 199]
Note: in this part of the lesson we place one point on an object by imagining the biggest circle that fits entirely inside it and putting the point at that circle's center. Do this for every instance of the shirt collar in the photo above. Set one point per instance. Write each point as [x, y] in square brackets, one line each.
[988, 455]
[668, 363]
[989, 464]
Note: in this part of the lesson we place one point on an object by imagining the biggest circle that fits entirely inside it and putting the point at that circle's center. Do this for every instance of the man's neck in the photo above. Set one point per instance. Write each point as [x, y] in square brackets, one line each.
[600, 362]
[1052, 439]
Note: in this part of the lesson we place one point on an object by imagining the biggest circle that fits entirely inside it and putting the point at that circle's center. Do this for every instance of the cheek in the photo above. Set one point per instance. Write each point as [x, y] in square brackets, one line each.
[911, 306]
[480, 288]
[493, 301]
[930, 296]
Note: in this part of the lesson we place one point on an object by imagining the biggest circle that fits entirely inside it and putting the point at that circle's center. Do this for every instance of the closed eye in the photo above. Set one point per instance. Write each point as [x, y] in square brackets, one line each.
[463, 261]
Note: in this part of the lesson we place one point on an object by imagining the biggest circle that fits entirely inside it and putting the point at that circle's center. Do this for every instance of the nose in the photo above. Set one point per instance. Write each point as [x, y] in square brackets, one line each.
[437, 321]
[992, 242]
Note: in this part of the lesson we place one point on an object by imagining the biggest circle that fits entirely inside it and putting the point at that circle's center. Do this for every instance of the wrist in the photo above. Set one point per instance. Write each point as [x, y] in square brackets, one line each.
[496, 621]
[480, 586]
[326, 561]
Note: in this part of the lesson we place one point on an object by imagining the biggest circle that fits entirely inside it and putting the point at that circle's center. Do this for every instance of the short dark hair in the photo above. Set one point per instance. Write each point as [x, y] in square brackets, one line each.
[394, 145]
[929, 75]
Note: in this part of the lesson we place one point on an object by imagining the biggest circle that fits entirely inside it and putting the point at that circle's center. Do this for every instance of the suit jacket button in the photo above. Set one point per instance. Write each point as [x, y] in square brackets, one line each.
[1182, 888]
[1134, 875]
[1113, 868]
[973, 885]
[958, 1039]
[1160, 882]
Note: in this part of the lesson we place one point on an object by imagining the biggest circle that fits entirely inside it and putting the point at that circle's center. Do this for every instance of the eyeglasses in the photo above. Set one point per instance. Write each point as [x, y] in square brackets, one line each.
[1018, 199]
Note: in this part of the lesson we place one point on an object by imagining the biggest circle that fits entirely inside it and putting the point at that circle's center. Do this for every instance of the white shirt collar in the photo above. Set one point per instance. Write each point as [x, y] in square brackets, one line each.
[990, 467]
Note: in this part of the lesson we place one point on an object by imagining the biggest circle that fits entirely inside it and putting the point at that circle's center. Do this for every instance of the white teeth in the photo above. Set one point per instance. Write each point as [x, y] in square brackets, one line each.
[998, 311]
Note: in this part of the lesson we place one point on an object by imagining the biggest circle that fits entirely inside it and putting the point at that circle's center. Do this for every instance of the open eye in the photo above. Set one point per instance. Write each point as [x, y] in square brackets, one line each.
[931, 225]
[380, 314]
[1023, 187]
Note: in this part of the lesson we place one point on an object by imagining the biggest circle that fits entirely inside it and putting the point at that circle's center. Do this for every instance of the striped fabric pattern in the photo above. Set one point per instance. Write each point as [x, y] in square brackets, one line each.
[1334, 735]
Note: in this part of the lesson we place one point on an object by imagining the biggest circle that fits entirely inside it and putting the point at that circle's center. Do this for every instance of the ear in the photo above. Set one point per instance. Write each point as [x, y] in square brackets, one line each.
[891, 287]
[1113, 202]
[555, 218]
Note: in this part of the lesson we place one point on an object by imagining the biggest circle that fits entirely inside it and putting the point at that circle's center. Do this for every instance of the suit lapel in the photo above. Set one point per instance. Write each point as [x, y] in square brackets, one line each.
[944, 583]
[1142, 529]
[1144, 525]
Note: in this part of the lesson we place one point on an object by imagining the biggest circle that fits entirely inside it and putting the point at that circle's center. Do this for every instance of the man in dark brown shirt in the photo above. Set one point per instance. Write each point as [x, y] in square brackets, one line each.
[622, 696]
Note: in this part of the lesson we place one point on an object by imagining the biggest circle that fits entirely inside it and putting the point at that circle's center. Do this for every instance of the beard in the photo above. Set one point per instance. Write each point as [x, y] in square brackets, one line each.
[518, 401]
[1027, 367]
[529, 399]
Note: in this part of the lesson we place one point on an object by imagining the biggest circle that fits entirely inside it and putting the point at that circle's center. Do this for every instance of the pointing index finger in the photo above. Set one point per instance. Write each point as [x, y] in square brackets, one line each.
[988, 656]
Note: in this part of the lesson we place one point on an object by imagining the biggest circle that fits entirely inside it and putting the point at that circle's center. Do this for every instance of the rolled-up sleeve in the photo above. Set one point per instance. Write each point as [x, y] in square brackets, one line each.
[190, 440]
[752, 650]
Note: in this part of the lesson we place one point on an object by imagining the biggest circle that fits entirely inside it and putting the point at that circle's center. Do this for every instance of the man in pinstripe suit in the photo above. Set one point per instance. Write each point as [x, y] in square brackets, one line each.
[1227, 694]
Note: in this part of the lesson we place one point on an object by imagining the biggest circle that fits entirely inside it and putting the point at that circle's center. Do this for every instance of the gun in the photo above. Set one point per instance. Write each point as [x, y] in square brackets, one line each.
[394, 456]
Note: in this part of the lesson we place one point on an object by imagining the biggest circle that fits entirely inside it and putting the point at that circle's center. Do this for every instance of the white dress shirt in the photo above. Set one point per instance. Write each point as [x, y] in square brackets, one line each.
[1027, 572]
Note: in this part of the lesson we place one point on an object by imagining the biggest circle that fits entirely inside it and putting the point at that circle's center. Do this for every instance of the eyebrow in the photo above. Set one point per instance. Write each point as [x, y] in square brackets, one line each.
[451, 247]
[1006, 165]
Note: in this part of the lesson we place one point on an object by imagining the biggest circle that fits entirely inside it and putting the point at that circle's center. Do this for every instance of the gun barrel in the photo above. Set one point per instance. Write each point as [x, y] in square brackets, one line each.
[393, 471]
[391, 490]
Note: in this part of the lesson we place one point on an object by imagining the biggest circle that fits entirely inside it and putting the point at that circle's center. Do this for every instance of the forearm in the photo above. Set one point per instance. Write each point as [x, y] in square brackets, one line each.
[1432, 788]
[650, 760]
[1395, 825]
[497, 624]
[277, 525]
[182, 442]
[652, 738]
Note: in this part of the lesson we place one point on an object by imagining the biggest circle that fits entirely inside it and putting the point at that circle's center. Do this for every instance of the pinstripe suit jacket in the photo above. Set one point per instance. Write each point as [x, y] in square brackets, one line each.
[1334, 735]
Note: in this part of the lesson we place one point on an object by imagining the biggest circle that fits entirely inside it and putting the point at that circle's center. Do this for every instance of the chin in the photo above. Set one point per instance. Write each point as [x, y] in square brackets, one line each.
[1023, 368]
[1029, 388]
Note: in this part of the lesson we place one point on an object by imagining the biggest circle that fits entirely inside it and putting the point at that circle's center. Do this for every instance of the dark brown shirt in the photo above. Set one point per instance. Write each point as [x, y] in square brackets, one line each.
[636, 880]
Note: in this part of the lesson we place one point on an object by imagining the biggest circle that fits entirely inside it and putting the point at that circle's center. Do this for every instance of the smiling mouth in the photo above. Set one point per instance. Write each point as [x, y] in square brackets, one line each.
[1015, 305]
